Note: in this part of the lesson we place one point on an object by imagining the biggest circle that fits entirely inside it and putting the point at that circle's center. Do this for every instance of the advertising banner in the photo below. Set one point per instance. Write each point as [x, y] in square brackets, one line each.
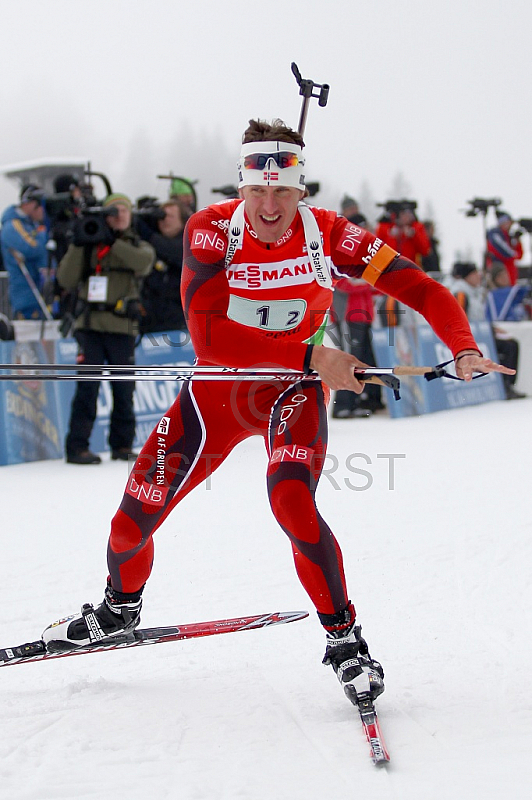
[151, 399]
[30, 424]
[418, 345]
[34, 415]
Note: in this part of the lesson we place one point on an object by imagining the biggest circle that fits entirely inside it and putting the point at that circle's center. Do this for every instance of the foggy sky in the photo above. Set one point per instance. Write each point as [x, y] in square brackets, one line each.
[437, 93]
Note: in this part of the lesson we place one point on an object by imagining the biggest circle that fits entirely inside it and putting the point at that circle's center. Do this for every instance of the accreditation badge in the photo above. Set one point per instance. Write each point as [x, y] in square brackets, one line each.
[98, 289]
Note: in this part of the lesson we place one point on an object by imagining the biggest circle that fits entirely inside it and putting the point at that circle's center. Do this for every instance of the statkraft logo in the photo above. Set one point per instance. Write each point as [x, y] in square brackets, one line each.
[233, 245]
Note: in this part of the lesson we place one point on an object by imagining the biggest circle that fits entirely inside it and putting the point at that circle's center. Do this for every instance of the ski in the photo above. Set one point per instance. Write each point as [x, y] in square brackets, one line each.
[370, 723]
[36, 651]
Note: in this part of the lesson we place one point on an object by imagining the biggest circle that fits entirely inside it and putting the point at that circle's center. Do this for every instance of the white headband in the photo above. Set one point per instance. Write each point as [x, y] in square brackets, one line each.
[270, 173]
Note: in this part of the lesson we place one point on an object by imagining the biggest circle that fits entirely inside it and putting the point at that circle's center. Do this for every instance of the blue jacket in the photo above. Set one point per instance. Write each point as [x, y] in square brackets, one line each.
[506, 303]
[20, 234]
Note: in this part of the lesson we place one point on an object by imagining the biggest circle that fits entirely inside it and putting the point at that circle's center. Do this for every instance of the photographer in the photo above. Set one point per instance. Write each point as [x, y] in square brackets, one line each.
[400, 229]
[162, 226]
[503, 246]
[63, 208]
[105, 263]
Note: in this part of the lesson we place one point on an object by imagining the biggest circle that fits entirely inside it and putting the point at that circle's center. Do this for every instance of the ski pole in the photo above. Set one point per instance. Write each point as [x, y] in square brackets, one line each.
[387, 376]
[31, 283]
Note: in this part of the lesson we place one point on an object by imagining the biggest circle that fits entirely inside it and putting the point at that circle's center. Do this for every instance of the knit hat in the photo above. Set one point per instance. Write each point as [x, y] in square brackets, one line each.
[347, 201]
[503, 216]
[116, 199]
[179, 186]
[461, 269]
[29, 192]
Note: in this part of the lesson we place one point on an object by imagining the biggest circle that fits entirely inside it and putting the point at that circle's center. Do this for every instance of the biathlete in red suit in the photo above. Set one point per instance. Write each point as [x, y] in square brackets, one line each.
[256, 288]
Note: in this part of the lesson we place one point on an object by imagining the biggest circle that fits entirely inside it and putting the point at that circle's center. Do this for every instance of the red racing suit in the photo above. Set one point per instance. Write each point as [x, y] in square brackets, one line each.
[263, 308]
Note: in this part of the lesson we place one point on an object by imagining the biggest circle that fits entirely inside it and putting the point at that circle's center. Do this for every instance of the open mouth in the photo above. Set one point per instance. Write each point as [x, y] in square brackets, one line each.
[270, 220]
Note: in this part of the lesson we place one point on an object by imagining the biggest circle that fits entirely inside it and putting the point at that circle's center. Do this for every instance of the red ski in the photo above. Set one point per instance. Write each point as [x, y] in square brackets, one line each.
[36, 651]
[370, 723]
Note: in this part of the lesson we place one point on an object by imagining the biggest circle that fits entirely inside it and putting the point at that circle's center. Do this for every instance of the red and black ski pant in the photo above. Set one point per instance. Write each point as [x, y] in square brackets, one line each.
[198, 432]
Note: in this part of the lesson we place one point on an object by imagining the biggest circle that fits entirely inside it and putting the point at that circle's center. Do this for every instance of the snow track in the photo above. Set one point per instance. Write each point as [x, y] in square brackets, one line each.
[438, 567]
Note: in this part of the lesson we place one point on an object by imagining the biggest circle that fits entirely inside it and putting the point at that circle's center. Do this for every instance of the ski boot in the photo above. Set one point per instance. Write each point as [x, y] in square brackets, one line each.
[360, 675]
[116, 617]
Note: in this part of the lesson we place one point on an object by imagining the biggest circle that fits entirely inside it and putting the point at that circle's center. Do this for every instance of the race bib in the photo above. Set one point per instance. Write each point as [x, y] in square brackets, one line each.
[269, 315]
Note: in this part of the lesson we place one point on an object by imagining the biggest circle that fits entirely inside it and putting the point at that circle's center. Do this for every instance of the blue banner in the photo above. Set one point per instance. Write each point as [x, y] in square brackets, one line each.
[418, 345]
[34, 415]
[30, 425]
[151, 399]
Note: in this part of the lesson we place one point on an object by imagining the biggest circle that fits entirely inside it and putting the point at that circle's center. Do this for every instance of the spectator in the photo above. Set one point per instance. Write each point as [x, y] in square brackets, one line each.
[24, 252]
[431, 262]
[466, 286]
[183, 191]
[107, 274]
[467, 289]
[359, 316]
[349, 209]
[503, 246]
[161, 294]
[505, 302]
[64, 211]
[401, 230]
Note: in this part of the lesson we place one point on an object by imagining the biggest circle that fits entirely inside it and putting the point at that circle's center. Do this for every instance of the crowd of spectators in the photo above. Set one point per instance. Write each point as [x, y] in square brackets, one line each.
[497, 302]
[57, 249]
[110, 272]
[492, 295]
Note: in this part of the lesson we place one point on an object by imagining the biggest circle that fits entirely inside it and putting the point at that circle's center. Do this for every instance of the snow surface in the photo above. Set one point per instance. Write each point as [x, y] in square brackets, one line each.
[438, 566]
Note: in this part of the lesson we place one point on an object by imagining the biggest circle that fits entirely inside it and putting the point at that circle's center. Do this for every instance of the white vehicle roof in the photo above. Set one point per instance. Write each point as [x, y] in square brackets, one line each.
[42, 171]
[57, 163]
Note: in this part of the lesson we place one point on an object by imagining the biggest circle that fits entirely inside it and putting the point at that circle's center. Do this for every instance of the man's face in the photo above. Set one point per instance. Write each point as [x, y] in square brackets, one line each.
[350, 211]
[123, 221]
[502, 279]
[474, 278]
[405, 218]
[34, 210]
[270, 209]
[172, 224]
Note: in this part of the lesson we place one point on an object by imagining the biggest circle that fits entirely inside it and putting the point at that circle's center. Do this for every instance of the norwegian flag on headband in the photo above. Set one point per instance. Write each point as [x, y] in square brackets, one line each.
[270, 176]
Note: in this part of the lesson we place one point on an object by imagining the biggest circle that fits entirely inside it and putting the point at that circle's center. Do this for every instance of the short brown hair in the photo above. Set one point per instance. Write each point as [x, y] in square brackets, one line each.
[261, 131]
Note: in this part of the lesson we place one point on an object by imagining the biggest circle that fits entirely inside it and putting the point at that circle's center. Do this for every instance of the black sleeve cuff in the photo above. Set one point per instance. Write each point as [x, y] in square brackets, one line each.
[306, 363]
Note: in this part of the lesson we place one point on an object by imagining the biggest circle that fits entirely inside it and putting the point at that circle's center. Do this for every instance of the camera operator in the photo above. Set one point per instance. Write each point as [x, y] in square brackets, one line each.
[504, 246]
[63, 208]
[105, 262]
[162, 226]
[400, 229]
[183, 192]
